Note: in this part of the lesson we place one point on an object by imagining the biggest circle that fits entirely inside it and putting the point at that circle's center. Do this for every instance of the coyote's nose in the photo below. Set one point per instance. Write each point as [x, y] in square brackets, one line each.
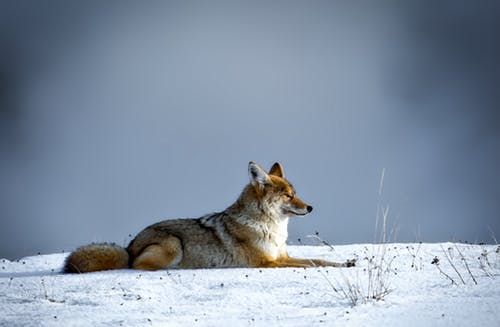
[309, 208]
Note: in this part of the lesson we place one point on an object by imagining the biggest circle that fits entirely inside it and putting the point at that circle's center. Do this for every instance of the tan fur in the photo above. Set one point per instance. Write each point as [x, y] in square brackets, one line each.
[158, 256]
[250, 233]
[95, 257]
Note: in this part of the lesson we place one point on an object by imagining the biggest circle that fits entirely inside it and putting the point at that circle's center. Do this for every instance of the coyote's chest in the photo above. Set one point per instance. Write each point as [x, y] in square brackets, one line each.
[272, 238]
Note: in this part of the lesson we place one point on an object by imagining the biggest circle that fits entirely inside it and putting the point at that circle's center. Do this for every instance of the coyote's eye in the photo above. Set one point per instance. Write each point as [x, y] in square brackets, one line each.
[288, 196]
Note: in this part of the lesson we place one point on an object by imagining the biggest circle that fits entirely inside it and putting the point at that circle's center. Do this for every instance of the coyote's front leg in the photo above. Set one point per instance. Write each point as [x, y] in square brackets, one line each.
[298, 262]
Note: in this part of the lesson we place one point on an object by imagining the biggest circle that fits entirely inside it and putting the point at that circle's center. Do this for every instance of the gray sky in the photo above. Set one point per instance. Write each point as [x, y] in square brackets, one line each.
[114, 116]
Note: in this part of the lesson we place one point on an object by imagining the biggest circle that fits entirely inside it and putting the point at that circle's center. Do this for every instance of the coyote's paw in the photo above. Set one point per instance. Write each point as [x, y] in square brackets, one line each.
[349, 263]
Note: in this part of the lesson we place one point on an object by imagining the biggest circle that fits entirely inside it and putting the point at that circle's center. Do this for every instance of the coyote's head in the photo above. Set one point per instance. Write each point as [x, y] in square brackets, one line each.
[272, 193]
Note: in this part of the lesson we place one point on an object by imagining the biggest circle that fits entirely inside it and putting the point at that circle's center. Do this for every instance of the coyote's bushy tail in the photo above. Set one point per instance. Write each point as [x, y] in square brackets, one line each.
[96, 257]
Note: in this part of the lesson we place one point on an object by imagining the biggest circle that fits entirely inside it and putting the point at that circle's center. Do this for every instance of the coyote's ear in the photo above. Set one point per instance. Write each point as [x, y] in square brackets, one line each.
[277, 170]
[258, 176]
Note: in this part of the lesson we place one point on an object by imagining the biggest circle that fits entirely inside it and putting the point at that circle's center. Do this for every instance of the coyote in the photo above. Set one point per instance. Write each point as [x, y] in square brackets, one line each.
[250, 233]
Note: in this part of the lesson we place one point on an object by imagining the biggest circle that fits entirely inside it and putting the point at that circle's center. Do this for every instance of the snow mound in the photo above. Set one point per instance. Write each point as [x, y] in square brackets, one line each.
[33, 291]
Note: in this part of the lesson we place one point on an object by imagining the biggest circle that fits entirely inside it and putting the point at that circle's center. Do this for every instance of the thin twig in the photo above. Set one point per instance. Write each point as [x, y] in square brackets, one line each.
[436, 263]
[320, 240]
[465, 263]
[492, 234]
[483, 257]
[451, 263]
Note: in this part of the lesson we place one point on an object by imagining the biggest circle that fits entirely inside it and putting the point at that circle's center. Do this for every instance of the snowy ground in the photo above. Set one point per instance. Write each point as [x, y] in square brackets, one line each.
[34, 293]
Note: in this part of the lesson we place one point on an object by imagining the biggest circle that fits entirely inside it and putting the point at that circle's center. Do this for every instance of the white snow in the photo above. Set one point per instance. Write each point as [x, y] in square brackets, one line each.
[33, 292]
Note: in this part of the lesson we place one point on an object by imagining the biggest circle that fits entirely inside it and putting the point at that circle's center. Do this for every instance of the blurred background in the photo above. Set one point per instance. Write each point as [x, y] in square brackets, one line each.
[115, 115]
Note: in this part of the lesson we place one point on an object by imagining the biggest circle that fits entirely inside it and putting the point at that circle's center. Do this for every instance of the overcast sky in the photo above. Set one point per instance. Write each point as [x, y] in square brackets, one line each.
[114, 116]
